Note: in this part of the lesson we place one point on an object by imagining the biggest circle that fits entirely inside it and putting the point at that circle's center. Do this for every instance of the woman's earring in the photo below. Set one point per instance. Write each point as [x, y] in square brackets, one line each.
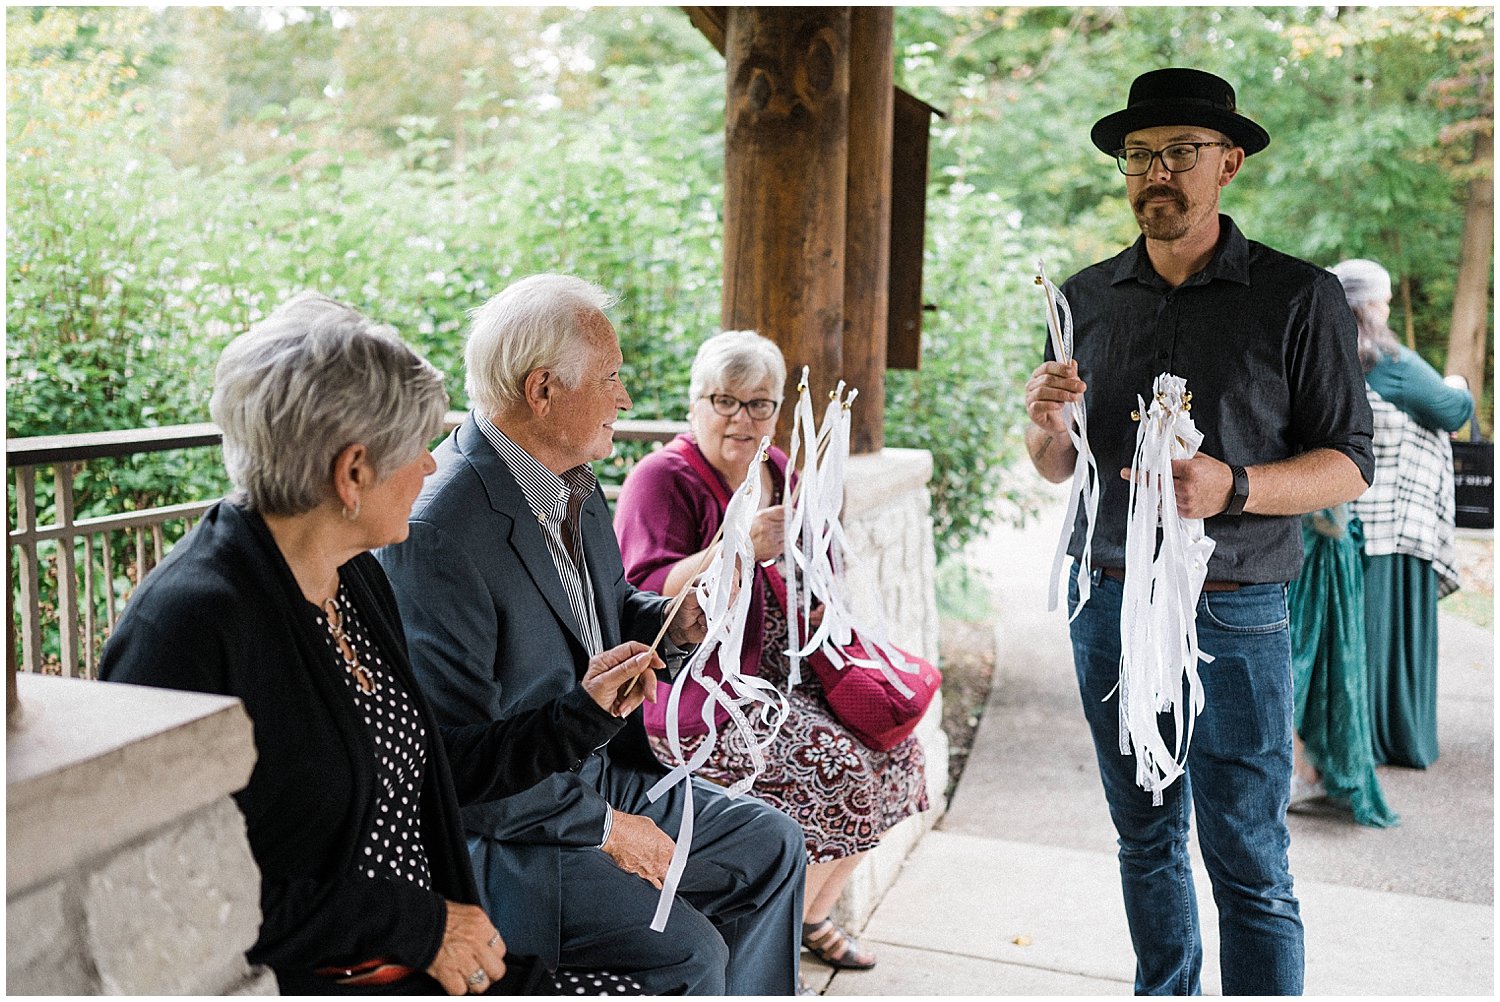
[352, 516]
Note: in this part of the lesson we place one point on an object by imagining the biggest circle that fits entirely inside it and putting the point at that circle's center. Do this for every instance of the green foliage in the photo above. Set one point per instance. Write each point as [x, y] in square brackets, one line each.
[963, 594]
[174, 174]
[1371, 111]
[978, 348]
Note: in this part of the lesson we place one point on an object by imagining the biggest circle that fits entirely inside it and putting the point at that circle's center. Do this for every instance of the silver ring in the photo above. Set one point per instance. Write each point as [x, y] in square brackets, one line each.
[477, 978]
[494, 940]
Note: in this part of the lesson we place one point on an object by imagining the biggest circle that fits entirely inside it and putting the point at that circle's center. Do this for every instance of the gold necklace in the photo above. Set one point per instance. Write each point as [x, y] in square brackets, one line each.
[334, 617]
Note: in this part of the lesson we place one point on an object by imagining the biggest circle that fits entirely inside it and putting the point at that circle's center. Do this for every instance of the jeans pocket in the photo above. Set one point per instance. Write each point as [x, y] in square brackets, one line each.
[1252, 609]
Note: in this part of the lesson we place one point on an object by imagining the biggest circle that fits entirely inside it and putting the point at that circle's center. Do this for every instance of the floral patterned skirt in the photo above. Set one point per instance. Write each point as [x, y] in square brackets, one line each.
[844, 794]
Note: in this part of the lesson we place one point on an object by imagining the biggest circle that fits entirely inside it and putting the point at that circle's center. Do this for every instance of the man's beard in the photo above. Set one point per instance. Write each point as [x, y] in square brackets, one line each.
[1159, 225]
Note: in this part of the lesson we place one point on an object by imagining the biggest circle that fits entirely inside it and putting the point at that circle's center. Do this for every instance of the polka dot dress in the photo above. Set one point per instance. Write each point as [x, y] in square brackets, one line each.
[594, 983]
[393, 848]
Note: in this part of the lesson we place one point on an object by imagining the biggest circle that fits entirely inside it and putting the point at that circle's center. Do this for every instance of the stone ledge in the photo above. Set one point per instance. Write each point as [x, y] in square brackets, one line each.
[883, 865]
[89, 766]
[891, 568]
[873, 480]
[172, 915]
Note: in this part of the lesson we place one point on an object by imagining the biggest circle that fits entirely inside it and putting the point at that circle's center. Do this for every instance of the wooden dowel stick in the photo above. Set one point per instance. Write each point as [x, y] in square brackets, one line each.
[1052, 317]
[681, 596]
[822, 447]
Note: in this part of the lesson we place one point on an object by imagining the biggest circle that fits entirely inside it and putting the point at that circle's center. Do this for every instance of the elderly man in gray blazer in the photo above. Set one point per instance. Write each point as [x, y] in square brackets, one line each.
[509, 581]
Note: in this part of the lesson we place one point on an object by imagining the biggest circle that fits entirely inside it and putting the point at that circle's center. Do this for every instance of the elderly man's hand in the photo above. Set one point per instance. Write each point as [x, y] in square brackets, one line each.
[690, 625]
[1203, 485]
[1051, 385]
[637, 846]
[471, 955]
[619, 678]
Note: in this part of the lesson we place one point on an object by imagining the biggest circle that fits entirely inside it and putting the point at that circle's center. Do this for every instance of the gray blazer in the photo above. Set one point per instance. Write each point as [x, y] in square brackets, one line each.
[490, 634]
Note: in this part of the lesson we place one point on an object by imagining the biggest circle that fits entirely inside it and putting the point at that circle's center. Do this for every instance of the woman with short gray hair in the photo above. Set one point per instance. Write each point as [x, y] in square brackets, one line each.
[352, 809]
[319, 374]
[669, 510]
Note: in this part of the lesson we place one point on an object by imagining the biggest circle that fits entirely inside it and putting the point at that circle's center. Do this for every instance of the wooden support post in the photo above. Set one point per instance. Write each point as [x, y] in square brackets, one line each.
[12, 698]
[785, 181]
[868, 221]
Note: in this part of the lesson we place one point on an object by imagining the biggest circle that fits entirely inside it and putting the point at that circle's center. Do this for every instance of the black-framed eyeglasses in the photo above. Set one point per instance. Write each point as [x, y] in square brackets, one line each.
[1134, 161]
[726, 406]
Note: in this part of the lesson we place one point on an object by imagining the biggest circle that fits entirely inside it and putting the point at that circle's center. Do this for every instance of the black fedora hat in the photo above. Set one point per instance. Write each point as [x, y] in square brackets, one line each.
[1179, 96]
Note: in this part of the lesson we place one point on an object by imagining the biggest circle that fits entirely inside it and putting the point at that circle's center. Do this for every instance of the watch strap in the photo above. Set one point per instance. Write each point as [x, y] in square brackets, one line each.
[1241, 492]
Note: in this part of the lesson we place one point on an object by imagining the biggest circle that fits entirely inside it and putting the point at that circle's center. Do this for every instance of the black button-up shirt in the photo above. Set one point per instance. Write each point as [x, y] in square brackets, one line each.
[1266, 343]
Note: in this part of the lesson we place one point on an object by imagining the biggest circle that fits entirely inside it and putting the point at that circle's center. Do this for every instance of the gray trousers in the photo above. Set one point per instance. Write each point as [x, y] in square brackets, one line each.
[735, 927]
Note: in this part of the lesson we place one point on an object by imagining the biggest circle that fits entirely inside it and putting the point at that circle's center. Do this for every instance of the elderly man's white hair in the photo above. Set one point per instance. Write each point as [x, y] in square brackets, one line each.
[737, 358]
[536, 323]
[305, 383]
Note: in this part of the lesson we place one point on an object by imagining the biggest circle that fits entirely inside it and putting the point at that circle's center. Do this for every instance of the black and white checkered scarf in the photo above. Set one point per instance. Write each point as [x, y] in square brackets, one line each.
[1409, 507]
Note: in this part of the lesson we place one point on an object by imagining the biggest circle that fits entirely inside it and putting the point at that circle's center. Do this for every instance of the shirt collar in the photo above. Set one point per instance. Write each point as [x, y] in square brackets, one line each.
[546, 493]
[1231, 260]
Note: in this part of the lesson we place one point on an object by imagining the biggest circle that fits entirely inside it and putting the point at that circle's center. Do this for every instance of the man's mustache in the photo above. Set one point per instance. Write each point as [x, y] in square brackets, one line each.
[1159, 191]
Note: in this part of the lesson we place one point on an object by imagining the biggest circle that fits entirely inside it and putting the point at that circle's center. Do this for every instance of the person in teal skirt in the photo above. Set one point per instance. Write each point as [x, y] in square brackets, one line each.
[1329, 670]
[1407, 516]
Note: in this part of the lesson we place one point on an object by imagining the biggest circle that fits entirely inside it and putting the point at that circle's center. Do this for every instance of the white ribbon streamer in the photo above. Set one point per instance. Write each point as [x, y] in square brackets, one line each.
[1159, 651]
[1085, 486]
[724, 588]
[815, 545]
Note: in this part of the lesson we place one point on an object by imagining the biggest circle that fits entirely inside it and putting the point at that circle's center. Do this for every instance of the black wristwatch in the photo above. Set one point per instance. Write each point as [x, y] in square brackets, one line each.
[1241, 492]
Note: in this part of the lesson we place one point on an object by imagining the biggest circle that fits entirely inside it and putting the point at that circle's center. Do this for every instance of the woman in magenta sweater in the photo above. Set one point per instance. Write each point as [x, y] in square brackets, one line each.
[844, 794]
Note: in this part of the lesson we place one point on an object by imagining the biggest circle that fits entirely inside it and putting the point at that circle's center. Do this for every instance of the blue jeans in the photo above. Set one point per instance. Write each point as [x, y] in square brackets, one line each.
[1238, 775]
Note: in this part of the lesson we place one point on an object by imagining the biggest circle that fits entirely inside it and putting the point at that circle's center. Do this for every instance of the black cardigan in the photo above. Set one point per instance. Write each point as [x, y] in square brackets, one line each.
[223, 614]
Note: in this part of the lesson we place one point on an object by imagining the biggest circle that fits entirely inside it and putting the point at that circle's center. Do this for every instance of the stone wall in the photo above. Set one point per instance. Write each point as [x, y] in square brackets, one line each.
[891, 571]
[127, 867]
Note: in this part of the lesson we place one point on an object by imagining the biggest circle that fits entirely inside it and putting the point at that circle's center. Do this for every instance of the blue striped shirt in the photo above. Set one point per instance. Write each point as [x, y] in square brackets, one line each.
[556, 502]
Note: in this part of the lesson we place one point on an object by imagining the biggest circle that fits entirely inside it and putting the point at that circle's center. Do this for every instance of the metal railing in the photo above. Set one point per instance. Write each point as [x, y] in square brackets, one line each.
[69, 587]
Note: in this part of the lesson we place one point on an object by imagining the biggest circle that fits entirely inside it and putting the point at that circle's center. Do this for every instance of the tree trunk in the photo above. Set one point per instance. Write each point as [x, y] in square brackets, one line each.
[1468, 337]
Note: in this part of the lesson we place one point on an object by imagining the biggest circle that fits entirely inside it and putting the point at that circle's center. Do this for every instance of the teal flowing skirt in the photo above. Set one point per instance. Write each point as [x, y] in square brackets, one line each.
[1329, 669]
[1401, 637]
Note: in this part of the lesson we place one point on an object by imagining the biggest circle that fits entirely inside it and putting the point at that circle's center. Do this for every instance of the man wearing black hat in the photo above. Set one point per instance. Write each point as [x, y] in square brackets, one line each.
[1266, 344]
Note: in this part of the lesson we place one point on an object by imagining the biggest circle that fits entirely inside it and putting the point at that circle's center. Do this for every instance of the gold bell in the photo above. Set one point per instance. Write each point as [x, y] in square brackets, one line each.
[1037, 280]
[1135, 415]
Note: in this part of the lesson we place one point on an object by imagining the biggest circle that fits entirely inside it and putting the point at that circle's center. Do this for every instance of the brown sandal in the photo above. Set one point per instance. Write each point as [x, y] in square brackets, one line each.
[834, 947]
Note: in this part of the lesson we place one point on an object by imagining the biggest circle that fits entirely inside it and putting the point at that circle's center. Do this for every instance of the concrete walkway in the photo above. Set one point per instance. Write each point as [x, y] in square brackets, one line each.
[1016, 892]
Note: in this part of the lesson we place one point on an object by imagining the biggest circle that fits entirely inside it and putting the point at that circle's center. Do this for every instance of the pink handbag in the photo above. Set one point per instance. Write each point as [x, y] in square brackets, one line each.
[862, 698]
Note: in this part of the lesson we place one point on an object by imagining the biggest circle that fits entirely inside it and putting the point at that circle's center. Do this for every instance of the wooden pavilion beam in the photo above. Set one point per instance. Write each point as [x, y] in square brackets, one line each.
[799, 108]
[710, 22]
[867, 228]
[785, 179]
